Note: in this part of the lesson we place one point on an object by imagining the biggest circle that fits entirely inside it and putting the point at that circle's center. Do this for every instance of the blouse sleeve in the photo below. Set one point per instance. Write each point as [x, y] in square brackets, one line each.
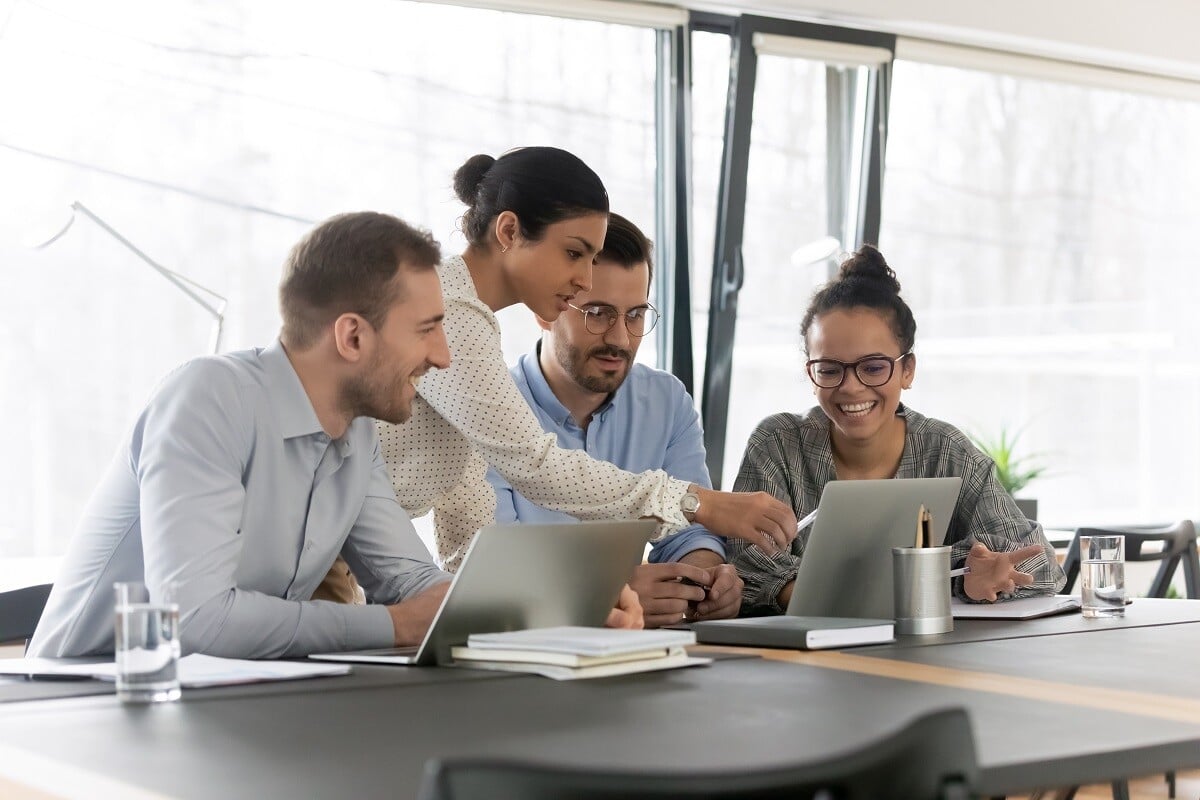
[478, 397]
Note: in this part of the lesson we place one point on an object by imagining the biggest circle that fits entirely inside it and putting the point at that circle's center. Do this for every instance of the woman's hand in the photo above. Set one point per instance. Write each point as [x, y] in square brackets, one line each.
[756, 517]
[993, 574]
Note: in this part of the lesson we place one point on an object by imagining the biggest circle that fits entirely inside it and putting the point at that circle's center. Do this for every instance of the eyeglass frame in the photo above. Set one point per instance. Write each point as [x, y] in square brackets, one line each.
[624, 315]
[848, 365]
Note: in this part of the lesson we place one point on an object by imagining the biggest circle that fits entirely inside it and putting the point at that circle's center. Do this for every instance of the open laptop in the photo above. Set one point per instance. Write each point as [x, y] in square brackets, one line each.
[526, 576]
[847, 566]
[846, 571]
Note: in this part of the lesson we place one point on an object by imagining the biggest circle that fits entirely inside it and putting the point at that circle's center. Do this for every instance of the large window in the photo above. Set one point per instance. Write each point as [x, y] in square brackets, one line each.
[1042, 232]
[212, 136]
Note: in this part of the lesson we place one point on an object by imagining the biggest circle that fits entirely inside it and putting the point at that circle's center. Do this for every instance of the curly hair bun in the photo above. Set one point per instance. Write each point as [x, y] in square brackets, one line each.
[868, 264]
[468, 177]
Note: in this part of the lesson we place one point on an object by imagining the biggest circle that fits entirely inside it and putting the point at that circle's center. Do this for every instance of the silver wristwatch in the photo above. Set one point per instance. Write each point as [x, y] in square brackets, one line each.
[689, 504]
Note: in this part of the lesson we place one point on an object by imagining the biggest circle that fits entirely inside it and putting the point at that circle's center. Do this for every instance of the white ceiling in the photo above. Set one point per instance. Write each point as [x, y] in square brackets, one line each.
[1156, 36]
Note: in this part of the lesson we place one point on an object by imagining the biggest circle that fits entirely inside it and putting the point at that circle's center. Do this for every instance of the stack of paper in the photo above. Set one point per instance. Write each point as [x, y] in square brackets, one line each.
[196, 671]
[569, 653]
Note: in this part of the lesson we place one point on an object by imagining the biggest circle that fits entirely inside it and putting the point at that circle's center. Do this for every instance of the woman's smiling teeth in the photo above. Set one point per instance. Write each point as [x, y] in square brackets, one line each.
[856, 409]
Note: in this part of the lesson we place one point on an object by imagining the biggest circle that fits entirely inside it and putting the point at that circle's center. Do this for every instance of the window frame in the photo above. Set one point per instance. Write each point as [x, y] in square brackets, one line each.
[728, 273]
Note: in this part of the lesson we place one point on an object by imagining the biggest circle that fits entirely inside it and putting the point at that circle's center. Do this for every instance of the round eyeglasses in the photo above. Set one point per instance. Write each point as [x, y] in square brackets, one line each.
[829, 373]
[600, 319]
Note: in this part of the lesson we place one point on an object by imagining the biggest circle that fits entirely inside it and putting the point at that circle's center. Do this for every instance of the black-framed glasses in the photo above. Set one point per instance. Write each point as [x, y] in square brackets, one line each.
[599, 319]
[829, 373]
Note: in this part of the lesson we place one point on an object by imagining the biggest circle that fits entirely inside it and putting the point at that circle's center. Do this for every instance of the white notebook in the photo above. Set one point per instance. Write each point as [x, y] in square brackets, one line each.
[678, 658]
[582, 641]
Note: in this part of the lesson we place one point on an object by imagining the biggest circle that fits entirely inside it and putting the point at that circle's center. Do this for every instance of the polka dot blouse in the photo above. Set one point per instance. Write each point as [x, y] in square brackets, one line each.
[472, 415]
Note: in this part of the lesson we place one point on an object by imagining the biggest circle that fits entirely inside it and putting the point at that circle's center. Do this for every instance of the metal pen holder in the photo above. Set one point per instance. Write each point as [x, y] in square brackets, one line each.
[921, 590]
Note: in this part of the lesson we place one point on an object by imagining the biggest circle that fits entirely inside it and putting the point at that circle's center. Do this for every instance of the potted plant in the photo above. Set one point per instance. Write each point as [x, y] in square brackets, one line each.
[1012, 471]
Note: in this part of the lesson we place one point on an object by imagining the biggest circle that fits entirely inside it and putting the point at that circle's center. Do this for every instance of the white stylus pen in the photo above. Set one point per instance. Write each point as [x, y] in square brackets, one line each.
[809, 519]
[954, 573]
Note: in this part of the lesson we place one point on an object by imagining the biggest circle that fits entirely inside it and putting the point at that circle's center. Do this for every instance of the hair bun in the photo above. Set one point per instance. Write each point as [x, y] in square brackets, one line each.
[868, 264]
[468, 177]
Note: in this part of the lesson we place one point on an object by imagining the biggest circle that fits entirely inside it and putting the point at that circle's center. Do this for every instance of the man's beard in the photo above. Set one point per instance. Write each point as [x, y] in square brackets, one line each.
[362, 396]
[574, 362]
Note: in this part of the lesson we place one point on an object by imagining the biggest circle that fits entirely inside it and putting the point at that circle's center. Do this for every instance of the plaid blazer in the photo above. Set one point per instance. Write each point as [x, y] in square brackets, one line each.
[790, 457]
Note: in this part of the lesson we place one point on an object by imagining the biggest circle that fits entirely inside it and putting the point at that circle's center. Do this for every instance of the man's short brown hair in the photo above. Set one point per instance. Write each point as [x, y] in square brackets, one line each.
[625, 244]
[347, 265]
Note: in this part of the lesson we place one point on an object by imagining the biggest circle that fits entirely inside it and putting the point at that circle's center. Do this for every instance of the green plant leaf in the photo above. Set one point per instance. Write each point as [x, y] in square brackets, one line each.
[1012, 472]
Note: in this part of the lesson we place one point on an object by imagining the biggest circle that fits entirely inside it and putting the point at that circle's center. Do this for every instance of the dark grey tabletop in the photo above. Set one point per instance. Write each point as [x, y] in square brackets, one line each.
[735, 714]
[1157, 660]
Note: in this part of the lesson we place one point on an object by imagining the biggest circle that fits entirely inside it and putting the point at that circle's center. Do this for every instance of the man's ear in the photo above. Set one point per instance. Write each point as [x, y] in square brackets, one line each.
[507, 229]
[352, 336]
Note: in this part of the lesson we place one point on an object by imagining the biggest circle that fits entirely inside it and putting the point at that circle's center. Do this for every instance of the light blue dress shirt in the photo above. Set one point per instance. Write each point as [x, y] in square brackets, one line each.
[228, 487]
[648, 423]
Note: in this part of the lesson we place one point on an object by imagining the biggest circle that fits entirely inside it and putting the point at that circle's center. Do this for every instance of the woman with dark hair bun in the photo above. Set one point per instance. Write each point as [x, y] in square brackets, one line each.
[535, 220]
[858, 334]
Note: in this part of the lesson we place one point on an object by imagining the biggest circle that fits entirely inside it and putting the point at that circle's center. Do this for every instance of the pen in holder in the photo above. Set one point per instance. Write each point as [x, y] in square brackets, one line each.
[921, 586]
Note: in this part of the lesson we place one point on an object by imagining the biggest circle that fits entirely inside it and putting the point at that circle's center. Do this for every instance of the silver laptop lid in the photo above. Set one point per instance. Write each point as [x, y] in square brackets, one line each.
[847, 566]
[536, 576]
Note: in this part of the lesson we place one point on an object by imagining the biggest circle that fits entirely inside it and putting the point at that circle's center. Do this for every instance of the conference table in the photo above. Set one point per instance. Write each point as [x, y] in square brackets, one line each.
[1053, 701]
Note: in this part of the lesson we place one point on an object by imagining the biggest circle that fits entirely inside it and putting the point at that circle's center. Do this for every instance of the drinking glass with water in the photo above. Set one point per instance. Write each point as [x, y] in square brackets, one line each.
[147, 644]
[1102, 572]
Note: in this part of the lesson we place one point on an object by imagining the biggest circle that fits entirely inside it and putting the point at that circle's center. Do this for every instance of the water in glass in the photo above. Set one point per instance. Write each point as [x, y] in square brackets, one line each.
[147, 652]
[1103, 588]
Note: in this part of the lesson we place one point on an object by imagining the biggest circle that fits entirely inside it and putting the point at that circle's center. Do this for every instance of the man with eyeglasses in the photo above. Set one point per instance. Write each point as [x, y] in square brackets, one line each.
[583, 385]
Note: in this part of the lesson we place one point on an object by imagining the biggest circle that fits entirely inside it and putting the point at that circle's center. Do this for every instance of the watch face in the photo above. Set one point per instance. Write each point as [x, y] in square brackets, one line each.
[690, 503]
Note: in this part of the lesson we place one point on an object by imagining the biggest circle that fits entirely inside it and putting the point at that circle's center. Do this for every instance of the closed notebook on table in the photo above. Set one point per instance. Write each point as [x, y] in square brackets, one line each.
[467, 653]
[678, 658]
[569, 653]
[580, 640]
[797, 633]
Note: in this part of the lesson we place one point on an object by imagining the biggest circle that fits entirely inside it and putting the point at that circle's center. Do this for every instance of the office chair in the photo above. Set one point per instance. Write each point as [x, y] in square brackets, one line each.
[1178, 547]
[931, 757]
[20, 611]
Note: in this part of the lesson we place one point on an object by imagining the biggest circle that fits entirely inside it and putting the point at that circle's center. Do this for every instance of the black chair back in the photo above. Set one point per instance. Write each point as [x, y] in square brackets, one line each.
[1177, 546]
[931, 758]
[20, 611]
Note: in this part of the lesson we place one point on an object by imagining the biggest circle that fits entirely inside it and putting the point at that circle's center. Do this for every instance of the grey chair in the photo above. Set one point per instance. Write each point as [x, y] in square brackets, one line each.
[1178, 547]
[931, 757]
[20, 611]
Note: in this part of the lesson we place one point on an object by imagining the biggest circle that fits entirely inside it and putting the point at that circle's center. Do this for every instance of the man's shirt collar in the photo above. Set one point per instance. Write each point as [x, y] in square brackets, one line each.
[531, 367]
[290, 403]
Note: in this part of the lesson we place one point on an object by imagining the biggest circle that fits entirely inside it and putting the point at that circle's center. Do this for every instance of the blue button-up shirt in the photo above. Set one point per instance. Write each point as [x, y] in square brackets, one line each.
[648, 423]
[228, 487]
